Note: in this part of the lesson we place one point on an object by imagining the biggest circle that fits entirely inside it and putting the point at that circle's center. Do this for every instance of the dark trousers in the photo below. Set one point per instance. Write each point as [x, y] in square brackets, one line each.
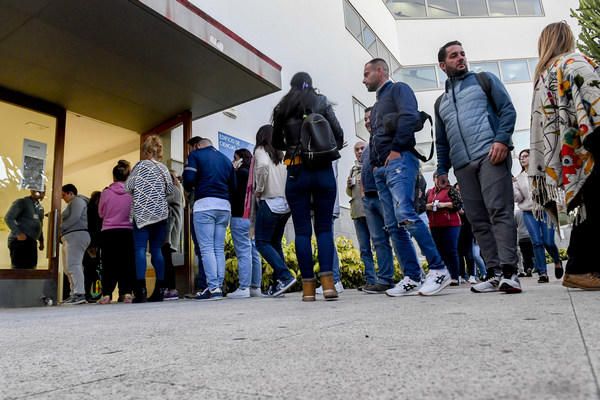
[118, 263]
[23, 253]
[466, 261]
[167, 253]
[583, 244]
[314, 190]
[268, 233]
[487, 194]
[446, 240]
[526, 247]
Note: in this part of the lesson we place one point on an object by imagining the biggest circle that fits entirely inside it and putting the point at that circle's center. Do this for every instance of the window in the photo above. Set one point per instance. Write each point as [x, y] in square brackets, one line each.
[473, 8]
[488, 66]
[441, 77]
[419, 78]
[515, 71]
[407, 8]
[442, 8]
[529, 7]
[366, 37]
[359, 120]
[533, 62]
[502, 7]
[463, 8]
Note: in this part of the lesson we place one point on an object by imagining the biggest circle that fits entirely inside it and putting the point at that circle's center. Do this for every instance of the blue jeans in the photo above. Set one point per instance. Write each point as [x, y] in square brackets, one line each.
[268, 233]
[201, 276]
[446, 240]
[381, 239]
[249, 267]
[542, 236]
[304, 185]
[364, 243]
[210, 227]
[155, 234]
[337, 276]
[396, 187]
[479, 263]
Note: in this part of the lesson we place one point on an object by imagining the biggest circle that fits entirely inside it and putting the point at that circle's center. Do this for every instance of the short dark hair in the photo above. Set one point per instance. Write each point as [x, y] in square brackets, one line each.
[69, 188]
[194, 140]
[380, 62]
[368, 109]
[442, 53]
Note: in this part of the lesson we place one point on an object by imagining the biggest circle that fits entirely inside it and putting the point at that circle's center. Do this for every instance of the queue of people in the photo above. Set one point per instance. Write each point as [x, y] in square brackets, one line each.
[293, 172]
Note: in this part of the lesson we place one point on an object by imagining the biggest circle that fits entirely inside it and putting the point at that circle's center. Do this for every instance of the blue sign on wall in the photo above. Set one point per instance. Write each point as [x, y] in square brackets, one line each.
[229, 144]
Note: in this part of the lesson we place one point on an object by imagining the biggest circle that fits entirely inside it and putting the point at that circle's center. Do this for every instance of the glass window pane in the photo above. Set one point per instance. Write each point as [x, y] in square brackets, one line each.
[515, 71]
[473, 8]
[352, 20]
[443, 8]
[533, 62]
[499, 8]
[382, 52]
[394, 68]
[529, 7]
[359, 121]
[490, 66]
[369, 40]
[441, 77]
[406, 8]
[419, 78]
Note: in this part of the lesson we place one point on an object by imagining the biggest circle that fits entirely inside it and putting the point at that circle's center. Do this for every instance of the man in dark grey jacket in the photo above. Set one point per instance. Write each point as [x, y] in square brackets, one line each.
[25, 220]
[475, 120]
[75, 239]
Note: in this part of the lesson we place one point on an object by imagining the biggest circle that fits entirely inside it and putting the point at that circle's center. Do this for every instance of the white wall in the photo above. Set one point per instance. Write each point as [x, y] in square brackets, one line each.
[311, 36]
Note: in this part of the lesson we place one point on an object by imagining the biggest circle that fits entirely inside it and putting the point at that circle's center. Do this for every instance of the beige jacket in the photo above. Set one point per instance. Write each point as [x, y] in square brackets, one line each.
[522, 192]
[355, 192]
[269, 179]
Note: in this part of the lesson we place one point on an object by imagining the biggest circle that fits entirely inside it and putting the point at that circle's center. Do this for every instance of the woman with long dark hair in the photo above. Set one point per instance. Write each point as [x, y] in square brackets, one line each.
[540, 230]
[565, 141]
[249, 265]
[308, 189]
[272, 211]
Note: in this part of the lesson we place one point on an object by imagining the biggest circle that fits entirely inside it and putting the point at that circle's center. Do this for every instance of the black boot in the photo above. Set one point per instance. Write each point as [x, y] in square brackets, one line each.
[139, 292]
[159, 292]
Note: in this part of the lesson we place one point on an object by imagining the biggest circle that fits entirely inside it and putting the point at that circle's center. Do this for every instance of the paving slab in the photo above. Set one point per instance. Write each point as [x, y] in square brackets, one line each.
[541, 344]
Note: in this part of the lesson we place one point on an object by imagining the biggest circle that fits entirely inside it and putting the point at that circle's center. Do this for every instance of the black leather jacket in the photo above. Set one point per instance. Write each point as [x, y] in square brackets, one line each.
[286, 129]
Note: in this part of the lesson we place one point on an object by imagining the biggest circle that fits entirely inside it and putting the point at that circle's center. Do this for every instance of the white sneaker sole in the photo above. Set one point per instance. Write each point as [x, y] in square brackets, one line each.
[443, 286]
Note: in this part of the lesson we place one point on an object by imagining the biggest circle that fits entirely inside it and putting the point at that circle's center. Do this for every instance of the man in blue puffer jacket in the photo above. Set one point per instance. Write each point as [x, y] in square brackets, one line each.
[474, 126]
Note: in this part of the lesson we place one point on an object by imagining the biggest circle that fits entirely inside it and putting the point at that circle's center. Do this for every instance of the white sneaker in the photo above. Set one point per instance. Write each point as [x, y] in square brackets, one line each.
[406, 287]
[240, 294]
[472, 280]
[256, 292]
[338, 287]
[487, 286]
[435, 282]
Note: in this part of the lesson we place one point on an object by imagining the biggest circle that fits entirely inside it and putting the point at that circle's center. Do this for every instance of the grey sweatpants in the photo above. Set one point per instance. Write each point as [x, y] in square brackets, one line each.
[487, 194]
[74, 246]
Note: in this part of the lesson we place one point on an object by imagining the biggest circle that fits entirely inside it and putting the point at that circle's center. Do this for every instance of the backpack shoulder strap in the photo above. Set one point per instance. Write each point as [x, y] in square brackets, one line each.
[486, 84]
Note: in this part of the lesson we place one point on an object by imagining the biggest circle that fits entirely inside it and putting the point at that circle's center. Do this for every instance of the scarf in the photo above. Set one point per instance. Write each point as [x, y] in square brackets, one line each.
[565, 110]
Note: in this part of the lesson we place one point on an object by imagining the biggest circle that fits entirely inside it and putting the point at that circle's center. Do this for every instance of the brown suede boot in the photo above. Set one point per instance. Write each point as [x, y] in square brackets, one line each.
[329, 292]
[308, 289]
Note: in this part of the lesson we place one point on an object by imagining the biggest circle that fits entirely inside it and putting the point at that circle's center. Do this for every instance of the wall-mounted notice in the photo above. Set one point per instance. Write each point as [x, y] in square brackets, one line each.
[34, 164]
[229, 144]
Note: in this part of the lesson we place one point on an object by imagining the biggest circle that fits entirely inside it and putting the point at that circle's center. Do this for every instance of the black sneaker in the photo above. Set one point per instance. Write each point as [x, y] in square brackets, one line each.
[377, 288]
[282, 287]
[543, 279]
[203, 295]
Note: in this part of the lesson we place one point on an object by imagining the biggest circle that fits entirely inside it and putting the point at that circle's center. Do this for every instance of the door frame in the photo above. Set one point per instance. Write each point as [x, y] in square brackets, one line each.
[184, 118]
[52, 253]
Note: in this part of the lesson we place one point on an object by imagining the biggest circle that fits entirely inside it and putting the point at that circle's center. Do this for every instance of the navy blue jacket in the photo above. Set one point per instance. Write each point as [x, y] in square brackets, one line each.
[395, 100]
[209, 174]
[366, 174]
[466, 124]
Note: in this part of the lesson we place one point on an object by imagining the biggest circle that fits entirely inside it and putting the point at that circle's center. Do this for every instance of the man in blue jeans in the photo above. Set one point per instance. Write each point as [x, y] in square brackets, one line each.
[394, 120]
[210, 174]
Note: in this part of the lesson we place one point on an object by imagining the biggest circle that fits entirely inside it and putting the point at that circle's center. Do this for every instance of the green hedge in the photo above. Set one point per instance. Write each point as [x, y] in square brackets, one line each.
[351, 266]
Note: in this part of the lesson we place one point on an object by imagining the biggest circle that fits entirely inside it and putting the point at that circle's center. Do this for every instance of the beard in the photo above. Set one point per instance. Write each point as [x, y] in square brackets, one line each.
[456, 73]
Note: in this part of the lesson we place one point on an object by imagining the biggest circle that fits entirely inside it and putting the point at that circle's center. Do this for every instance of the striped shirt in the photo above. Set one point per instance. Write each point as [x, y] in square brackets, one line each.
[149, 184]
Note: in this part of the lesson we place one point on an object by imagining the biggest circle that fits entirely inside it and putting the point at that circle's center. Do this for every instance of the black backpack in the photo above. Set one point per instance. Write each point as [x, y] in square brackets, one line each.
[317, 143]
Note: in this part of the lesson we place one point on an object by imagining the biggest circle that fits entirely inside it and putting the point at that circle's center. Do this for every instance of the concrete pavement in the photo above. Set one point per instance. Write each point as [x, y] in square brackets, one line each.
[542, 344]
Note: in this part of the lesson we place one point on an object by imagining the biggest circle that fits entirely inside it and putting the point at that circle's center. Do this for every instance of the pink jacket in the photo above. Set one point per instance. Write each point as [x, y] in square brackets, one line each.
[115, 207]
